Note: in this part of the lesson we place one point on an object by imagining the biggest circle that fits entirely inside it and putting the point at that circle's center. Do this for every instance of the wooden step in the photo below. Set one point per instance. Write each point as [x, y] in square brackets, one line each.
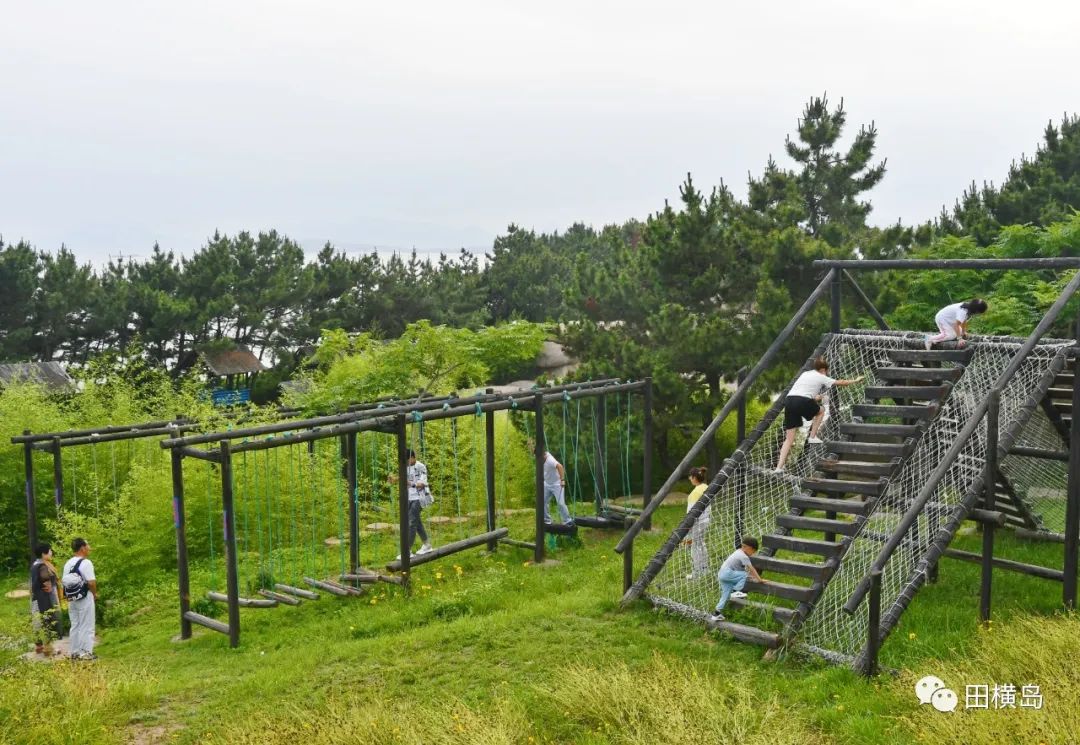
[918, 373]
[847, 506]
[1060, 393]
[779, 612]
[842, 486]
[855, 467]
[900, 412]
[906, 392]
[801, 593]
[871, 429]
[788, 566]
[797, 522]
[891, 449]
[748, 634]
[934, 355]
[801, 545]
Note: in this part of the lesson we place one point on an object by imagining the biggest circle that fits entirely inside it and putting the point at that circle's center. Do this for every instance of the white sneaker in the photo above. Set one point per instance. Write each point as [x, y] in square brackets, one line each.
[813, 440]
[778, 470]
[928, 344]
[738, 595]
[425, 549]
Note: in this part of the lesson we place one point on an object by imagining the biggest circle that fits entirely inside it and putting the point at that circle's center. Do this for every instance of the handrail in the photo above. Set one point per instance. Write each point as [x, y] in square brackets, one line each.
[950, 456]
[763, 364]
[1055, 262]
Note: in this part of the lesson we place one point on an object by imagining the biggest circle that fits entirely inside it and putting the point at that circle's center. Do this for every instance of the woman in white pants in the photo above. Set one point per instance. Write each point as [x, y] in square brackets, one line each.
[699, 553]
[82, 612]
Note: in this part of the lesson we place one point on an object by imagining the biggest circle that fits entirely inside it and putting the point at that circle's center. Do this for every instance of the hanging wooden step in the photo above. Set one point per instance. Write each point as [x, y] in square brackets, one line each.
[906, 392]
[280, 597]
[802, 593]
[900, 412]
[797, 522]
[871, 429]
[788, 566]
[297, 591]
[855, 467]
[934, 355]
[748, 634]
[846, 506]
[854, 447]
[801, 545]
[220, 597]
[779, 612]
[839, 486]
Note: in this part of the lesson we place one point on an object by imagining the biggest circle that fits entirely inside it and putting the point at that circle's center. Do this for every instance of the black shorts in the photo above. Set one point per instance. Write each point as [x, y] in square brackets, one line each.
[797, 409]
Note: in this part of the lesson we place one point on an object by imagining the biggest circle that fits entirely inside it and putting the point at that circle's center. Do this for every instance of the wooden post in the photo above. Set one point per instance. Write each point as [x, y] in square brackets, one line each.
[58, 473]
[628, 568]
[31, 501]
[1072, 505]
[740, 421]
[835, 304]
[229, 529]
[647, 454]
[873, 626]
[403, 501]
[540, 447]
[489, 471]
[600, 444]
[354, 499]
[180, 525]
[989, 498]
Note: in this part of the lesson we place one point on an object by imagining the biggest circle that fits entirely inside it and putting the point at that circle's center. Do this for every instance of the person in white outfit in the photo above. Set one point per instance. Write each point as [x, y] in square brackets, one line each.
[804, 402]
[82, 608]
[554, 487]
[699, 553]
[952, 321]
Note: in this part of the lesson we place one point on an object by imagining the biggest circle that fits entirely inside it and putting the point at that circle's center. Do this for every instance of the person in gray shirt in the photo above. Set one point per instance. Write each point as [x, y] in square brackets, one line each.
[734, 573]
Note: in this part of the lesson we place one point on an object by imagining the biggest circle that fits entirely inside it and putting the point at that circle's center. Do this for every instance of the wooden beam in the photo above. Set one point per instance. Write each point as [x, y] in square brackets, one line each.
[450, 548]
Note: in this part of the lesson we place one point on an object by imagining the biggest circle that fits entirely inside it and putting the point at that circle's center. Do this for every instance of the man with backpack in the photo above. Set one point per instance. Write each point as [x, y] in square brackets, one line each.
[80, 589]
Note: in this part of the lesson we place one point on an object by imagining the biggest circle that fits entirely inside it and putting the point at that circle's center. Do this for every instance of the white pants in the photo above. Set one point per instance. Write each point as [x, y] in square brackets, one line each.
[560, 502]
[699, 552]
[946, 332]
[83, 616]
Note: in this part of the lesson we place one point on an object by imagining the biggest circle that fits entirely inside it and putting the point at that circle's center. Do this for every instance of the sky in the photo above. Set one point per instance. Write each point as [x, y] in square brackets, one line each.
[435, 125]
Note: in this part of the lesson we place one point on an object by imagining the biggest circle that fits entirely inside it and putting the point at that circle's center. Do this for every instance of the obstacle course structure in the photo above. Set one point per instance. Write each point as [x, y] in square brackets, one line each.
[276, 507]
[854, 526]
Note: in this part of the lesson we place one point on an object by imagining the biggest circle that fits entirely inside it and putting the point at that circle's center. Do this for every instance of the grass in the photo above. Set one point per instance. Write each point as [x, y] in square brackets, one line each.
[500, 651]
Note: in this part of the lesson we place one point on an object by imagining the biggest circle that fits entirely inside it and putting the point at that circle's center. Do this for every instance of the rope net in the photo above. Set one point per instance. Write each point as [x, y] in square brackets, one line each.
[750, 500]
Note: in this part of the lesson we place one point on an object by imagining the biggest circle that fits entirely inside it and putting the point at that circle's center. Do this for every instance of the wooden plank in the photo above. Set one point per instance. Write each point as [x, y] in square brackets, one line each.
[297, 591]
[847, 506]
[932, 374]
[900, 412]
[857, 429]
[794, 522]
[801, 545]
[333, 587]
[840, 486]
[451, 548]
[280, 597]
[748, 634]
[560, 528]
[910, 392]
[220, 597]
[874, 470]
[599, 523]
[934, 355]
[518, 544]
[210, 623]
[779, 612]
[1013, 566]
[852, 447]
[370, 578]
[788, 566]
[802, 593]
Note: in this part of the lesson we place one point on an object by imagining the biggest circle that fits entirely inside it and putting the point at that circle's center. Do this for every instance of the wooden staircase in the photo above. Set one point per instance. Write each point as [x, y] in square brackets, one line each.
[850, 475]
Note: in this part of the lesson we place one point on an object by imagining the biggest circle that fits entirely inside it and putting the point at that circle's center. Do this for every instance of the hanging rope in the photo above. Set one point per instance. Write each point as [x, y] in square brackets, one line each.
[210, 523]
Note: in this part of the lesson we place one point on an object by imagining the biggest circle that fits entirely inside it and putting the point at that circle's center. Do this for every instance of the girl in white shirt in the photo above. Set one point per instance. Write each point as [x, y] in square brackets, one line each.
[803, 403]
[952, 321]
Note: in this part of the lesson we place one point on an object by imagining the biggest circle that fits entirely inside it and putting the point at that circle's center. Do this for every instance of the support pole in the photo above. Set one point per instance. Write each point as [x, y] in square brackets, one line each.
[58, 473]
[489, 471]
[873, 626]
[540, 447]
[403, 501]
[600, 443]
[229, 522]
[989, 500]
[835, 304]
[740, 421]
[31, 501]
[628, 568]
[354, 499]
[180, 525]
[869, 305]
[1072, 506]
[646, 454]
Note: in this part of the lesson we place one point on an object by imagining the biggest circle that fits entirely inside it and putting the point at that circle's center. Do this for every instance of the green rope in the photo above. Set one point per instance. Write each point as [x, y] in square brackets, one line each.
[261, 576]
[210, 525]
[342, 490]
[271, 511]
[627, 485]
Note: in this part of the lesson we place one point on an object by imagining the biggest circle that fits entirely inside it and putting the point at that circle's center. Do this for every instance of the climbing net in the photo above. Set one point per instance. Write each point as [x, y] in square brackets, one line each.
[751, 499]
[1039, 482]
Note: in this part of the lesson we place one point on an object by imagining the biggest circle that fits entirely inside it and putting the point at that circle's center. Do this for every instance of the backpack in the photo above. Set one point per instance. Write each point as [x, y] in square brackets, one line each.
[75, 585]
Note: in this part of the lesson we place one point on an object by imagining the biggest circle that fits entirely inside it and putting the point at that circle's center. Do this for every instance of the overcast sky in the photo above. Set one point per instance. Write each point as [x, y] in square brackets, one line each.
[436, 124]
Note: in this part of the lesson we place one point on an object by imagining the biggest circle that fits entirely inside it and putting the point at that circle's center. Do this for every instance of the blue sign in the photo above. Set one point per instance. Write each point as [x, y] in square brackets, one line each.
[230, 396]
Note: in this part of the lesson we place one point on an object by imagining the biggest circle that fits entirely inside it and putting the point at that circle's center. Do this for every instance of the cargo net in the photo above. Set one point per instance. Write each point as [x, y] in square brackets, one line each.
[1040, 484]
[749, 502]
